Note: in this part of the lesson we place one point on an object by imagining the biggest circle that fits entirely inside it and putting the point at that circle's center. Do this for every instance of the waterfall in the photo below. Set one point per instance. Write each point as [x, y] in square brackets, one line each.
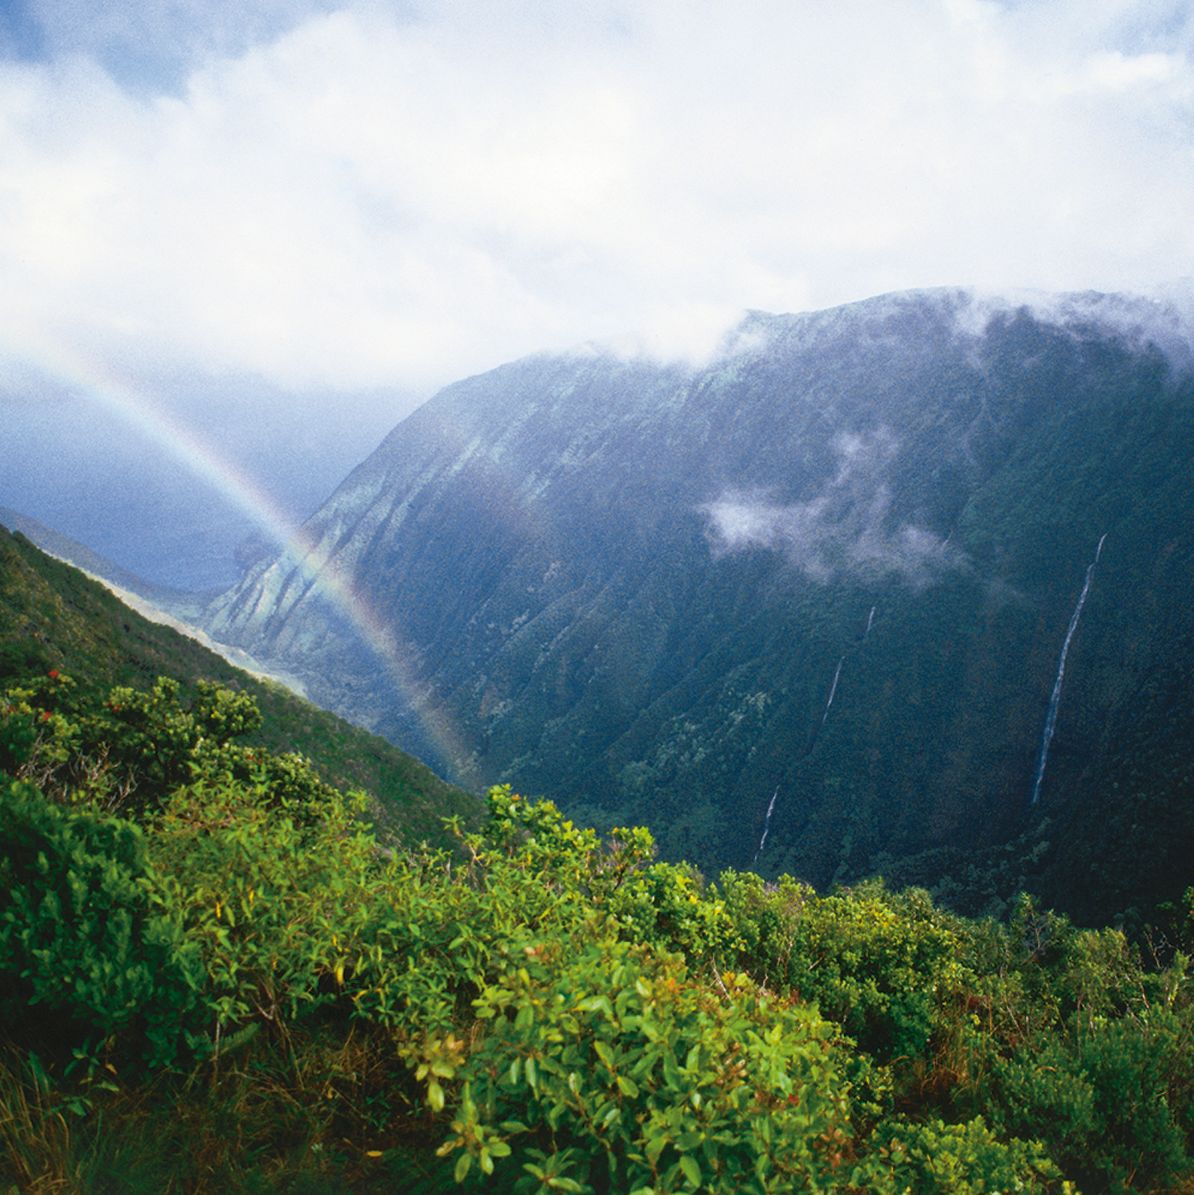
[870, 618]
[1055, 697]
[808, 751]
[833, 689]
[766, 824]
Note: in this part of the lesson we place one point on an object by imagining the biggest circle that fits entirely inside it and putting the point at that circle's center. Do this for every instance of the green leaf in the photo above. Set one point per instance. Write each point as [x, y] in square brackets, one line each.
[692, 1172]
[671, 1072]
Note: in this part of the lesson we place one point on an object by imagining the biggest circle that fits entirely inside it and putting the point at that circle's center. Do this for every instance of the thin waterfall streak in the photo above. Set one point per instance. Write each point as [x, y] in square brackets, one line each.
[833, 689]
[837, 673]
[870, 618]
[767, 824]
[1055, 696]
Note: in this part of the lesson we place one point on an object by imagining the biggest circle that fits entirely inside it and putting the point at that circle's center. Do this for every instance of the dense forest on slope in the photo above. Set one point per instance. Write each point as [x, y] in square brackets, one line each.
[52, 615]
[817, 586]
[213, 977]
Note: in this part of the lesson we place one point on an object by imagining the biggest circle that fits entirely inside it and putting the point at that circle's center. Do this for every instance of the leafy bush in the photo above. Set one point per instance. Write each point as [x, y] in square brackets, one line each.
[1114, 1101]
[609, 1067]
[1075, 1041]
[880, 965]
[272, 904]
[962, 1159]
[88, 944]
[584, 1017]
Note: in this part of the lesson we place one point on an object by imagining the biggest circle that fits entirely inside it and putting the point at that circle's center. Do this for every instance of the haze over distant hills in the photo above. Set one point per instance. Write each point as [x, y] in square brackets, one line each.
[156, 479]
[819, 585]
[185, 605]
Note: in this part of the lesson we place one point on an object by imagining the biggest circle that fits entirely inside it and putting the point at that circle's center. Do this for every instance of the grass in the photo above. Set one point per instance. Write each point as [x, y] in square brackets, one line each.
[327, 1114]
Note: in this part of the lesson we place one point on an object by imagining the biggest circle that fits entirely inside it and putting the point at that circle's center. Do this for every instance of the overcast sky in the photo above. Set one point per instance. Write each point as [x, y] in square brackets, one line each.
[384, 196]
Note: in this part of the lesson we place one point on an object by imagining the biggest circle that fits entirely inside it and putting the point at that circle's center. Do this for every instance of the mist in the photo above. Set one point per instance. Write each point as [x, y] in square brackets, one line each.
[845, 529]
[287, 222]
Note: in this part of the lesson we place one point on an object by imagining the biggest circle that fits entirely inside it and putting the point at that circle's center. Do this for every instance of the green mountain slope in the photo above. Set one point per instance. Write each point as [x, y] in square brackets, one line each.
[815, 589]
[52, 616]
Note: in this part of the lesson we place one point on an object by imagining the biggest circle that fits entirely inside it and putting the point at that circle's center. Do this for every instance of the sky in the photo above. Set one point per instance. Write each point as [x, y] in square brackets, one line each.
[253, 211]
[391, 196]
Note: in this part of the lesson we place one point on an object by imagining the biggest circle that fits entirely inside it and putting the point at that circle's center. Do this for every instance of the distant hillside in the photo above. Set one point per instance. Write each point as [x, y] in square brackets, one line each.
[52, 616]
[172, 601]
[818, 587]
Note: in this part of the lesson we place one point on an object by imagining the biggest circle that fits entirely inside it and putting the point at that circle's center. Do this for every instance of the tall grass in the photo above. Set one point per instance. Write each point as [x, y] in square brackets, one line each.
[323, 1114]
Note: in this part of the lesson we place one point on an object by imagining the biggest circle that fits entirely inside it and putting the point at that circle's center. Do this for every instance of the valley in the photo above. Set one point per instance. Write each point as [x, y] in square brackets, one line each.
[856, 663]
[828, 574]
[596, 599]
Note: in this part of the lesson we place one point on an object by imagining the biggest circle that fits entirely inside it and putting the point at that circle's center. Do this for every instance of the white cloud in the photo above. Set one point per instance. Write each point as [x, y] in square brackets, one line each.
[375, 197]
[845, 528]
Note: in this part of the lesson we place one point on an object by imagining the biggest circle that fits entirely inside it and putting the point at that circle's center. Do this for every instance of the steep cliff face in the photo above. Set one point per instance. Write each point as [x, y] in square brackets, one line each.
[834, 566]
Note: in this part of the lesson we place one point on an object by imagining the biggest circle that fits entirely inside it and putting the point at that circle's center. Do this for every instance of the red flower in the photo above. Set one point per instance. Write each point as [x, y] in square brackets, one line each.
[53, 674]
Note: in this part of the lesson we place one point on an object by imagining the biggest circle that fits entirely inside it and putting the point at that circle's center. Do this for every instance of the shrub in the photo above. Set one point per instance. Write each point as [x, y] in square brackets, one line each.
[881, 965]
[88, 944]
[272, 892]
[953, 1159]
[608, 1068]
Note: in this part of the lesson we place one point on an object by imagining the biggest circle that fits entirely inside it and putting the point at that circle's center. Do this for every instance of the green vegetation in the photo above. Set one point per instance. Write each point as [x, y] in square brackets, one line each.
[214, 976]
[223, 966]
[52, 615]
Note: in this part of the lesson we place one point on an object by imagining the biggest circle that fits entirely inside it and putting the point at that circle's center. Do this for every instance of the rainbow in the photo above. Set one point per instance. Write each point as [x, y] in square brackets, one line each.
[90, 379]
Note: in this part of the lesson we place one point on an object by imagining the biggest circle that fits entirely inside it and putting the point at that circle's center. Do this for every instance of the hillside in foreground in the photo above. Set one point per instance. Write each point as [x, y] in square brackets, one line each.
[51, 614]
[213, 977]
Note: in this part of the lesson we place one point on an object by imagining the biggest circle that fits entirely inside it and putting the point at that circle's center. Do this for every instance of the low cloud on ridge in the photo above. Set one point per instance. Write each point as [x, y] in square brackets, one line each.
[845, 529]
[356, 194]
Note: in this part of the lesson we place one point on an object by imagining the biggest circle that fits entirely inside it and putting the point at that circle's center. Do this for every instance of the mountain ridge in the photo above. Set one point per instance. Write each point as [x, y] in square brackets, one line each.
[633, 587]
